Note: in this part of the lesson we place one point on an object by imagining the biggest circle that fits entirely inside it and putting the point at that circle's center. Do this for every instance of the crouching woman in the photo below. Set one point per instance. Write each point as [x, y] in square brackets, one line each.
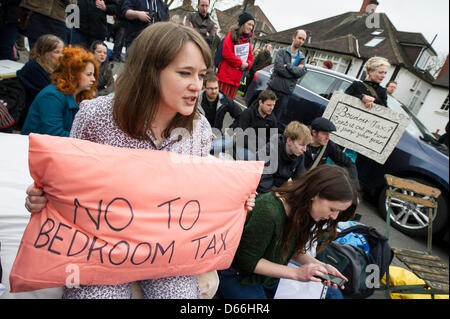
[282, 226]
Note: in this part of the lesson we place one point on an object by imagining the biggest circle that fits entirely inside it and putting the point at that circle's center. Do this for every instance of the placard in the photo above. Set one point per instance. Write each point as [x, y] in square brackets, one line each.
[117, 215]
[371, 132]
[242, 51]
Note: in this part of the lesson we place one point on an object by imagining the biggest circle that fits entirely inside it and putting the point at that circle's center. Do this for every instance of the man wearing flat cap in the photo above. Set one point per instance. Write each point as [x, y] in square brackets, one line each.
[322, 148]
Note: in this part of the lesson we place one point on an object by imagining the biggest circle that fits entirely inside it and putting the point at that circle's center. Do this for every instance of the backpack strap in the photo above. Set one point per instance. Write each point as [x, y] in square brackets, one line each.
[371, 90]
[319, 156]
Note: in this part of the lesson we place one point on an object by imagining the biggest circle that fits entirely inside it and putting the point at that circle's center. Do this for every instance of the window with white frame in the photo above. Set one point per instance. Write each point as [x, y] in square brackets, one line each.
[444, 106]
[374, 42]
[377, 32]
[340, 64]
[424, 59]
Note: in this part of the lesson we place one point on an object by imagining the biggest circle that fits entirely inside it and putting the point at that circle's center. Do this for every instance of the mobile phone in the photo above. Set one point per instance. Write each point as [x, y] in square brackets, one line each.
[333, 279]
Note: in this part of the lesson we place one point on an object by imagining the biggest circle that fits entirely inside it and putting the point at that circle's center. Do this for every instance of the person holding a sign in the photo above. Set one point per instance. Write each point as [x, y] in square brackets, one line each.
[156, 96]
[237, 55]
[370, 91]
[282, 226]
[323, 148]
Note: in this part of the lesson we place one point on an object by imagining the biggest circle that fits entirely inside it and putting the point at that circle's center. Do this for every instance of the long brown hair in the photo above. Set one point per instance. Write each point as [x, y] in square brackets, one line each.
[329, 182]
[138, 88]
[42, 49]
[236, 32]
[67, 76]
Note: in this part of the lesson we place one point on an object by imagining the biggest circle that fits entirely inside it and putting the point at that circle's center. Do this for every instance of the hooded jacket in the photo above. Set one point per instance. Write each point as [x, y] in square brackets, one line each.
[288, 166]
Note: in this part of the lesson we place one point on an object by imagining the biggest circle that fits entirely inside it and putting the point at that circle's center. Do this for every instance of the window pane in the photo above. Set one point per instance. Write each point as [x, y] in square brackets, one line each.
[317, 82]
[374, 42]
[343, 86]
[444, 106]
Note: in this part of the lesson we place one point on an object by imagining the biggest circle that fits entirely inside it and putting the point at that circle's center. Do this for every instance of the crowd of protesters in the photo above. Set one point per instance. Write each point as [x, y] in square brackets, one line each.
[299, 199]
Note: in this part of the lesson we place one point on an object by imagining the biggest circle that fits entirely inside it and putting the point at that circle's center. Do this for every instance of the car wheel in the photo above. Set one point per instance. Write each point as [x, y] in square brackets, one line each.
[413, 219]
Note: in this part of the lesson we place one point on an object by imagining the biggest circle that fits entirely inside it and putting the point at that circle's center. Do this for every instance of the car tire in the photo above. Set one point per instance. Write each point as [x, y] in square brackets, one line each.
[413, 220]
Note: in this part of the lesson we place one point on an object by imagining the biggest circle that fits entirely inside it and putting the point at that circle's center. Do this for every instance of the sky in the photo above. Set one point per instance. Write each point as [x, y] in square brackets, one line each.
[427, 17]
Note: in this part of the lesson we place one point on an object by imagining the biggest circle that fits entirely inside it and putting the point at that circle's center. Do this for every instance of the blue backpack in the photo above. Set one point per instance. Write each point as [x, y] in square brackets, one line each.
[351, 257]
[219, 57]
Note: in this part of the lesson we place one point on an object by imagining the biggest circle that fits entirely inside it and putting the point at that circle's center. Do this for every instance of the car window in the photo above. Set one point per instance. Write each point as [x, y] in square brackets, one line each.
[343, 86]
[318, 83]
[412, 127]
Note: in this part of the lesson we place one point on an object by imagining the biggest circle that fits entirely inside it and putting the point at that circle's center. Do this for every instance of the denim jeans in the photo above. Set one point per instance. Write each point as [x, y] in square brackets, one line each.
[222, 144]
[334, 294]
[8, 34]
[78, 38]
[231, 288]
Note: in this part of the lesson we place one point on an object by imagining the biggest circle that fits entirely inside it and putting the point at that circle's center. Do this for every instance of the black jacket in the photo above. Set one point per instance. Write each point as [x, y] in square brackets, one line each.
[224, 105]
[288, 166]
[357, 89]
[203, 25]
[335, 153]
[262, 60]
[285, 75]
[93, 20]
[250, 118]
[134, 27]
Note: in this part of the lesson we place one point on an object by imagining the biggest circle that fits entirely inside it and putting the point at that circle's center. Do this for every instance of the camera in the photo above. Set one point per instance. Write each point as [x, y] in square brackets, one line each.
[153, 16]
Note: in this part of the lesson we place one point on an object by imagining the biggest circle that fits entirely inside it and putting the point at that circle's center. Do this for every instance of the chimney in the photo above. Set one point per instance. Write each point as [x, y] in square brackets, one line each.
[250, 3]
[444, 69]
[368, 6]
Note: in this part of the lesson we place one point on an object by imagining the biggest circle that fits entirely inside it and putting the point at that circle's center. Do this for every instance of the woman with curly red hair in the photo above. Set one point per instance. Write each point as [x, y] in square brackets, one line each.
[53, 110]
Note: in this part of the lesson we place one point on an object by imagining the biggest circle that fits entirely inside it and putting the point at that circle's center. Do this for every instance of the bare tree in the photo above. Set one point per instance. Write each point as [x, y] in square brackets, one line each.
[435, 65]
[169, 2]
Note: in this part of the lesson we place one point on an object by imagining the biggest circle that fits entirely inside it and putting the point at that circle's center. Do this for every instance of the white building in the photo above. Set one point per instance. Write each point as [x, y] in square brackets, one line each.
[350, 39]
[434, 111]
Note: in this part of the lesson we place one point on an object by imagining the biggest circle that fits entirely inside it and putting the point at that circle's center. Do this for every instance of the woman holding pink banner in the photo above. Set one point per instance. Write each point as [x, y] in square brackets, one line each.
[155, 95]
[282, 226]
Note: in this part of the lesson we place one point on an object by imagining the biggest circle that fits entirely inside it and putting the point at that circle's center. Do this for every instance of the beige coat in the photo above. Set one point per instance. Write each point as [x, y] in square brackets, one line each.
[51, 8]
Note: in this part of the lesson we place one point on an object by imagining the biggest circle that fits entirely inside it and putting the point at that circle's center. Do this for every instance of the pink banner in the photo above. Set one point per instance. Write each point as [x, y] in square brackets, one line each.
[117, 215]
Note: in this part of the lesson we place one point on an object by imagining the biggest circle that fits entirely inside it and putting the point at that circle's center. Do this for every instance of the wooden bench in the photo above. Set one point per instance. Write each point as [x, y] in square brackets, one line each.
[423, 264]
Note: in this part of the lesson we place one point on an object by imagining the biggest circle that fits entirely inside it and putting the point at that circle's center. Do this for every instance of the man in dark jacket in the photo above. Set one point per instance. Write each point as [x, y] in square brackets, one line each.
[284, 157]
[201, 21]
[213, 104]
[93, 24]
[260, 121]
[323, 148]
[263, 59]
[289, 66]
[142, 13]
[8, 28]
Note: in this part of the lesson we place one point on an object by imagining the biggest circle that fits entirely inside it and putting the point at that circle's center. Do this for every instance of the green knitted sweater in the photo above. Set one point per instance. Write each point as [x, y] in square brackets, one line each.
[261, 238]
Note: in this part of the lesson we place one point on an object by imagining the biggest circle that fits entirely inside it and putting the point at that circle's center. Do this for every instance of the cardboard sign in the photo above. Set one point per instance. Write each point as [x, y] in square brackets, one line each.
[117, 215]
[373, 133]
